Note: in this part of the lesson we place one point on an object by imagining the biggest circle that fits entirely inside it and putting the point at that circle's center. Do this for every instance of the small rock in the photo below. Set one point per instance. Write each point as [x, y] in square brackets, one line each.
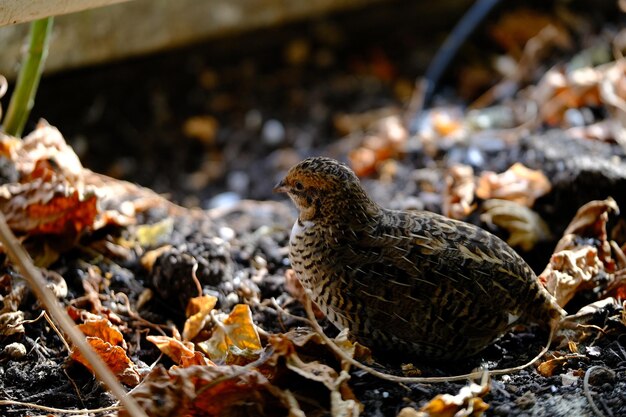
[569, 379]
[526, 401]
[15, 350]
[502, 410]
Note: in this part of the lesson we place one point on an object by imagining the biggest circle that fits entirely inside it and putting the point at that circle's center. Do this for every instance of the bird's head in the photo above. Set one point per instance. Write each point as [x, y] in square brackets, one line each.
[322, 187]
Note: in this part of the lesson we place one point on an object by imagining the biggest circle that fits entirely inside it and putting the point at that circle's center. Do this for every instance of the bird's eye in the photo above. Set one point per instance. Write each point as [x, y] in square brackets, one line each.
[298, 186]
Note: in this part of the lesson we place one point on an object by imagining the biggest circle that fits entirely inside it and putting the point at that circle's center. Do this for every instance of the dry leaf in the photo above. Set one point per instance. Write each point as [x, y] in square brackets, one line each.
[590, 222]
[212, 392]
[103, 329]
[152, 235]
[343, 400]
[551, 366]
[203, 128]
[235, 340]
[459, 192]
[468, 402]
[11, 323]
[570, 271]
[387, 139]
[182, 353]
[198, 313]
[115, 358]
[519, 184]
[525, 227]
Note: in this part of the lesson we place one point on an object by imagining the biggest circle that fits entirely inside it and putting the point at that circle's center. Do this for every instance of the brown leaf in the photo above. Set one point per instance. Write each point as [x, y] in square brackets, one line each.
[519, 184]
[458, 196]
[571, 271]
[212, 392]
[103, 329]
[468, 402]
[590, 220]
[182, 353]
[525, 227]
[235, 340]
[115, 358]
[198, 312]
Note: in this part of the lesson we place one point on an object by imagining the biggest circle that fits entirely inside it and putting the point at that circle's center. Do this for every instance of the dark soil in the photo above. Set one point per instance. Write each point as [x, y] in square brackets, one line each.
[126, 120]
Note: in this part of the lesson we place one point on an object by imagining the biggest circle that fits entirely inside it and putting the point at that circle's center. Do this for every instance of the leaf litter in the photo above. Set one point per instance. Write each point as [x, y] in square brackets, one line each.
[232, 350]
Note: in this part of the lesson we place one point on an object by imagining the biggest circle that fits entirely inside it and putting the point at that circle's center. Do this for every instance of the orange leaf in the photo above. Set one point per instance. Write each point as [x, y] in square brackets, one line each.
[236, 340]
[115, 358]
[198, 310]
[103, 329]
[241, 329]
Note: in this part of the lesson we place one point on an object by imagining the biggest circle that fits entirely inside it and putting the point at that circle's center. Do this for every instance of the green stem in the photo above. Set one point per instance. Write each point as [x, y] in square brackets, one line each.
[23, 97]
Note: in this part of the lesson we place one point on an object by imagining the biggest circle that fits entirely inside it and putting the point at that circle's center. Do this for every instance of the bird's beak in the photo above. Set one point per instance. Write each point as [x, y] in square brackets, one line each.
[281, 187]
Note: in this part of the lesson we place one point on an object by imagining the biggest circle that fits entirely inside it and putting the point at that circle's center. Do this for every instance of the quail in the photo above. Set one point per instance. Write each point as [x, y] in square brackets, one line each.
[405, 281]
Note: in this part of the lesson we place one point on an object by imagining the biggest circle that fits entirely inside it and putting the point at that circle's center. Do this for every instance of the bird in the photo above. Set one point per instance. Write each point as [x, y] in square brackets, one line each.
[410, 282]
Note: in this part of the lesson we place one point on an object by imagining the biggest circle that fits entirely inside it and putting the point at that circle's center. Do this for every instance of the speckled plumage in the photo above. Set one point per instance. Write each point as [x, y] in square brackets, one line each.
[413, 282]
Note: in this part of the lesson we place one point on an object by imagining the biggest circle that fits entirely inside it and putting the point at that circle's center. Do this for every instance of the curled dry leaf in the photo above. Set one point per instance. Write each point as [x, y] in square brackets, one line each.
[468, 402]
[215, 391]
[387, 139]
[103, 329]
[110, 345]
[549, 367]
[590, 220]
[50, 195]
[575, 266]
[525, 227]
[459, 192]
[235, 339]
[182, 353]
[114, 356]
[570, 271]
[519, 184]
[559, 91]
[198, 313]
[53, 194]
[613, 94]
[11, 323]
[343, 400]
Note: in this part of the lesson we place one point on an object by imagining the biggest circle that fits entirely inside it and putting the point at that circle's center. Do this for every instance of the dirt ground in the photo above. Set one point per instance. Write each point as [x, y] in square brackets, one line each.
[216, 125]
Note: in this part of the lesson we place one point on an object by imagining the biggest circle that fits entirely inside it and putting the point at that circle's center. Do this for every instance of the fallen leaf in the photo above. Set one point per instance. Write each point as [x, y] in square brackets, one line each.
[212, 392]
[115, 358]
[519, 184]
[152, 235]
[235, 339]
[182, 353]
[198, 312]
[458, 198]
[468, 402]
[11, 323]
[103, 329]
[525, 227]
[571, 271]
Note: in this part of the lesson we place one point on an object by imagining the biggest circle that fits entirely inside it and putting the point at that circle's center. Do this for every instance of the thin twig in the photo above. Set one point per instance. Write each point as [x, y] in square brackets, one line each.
[592, 403]
[57, 331]
[59, 410]
[288, 314]
[333, 346]
[35, 280]
[194, 277]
